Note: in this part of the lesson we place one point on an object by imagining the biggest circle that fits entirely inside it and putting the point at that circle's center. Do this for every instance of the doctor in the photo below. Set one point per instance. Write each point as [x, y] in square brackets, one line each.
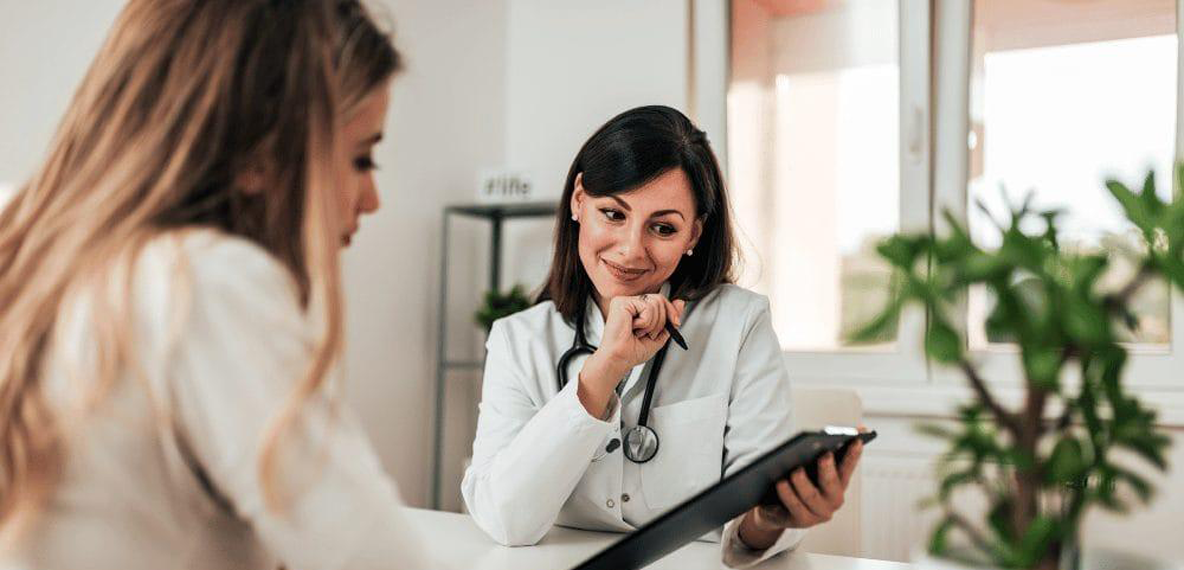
[589, 418]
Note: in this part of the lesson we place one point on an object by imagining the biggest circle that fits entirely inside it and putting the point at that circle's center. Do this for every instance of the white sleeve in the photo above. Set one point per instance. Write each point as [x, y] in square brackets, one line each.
[245, 348]
[758, 419]
[527, 459]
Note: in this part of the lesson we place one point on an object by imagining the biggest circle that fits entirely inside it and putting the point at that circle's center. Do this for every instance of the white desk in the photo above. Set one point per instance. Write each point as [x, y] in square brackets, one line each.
[455, 540]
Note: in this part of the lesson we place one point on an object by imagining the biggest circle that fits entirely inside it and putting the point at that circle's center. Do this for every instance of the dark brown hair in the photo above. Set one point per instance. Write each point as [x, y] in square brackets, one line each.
[630, 150]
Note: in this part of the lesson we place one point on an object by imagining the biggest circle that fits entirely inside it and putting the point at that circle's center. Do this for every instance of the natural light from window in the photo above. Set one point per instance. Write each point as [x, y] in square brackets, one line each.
[1061, 119]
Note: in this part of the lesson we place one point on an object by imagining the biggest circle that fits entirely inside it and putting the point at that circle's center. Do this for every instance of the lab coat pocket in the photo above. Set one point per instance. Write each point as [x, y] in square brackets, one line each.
[690, 450]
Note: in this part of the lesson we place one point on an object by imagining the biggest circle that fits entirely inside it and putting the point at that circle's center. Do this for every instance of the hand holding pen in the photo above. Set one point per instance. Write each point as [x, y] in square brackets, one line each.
[669, 312]
[636, 328]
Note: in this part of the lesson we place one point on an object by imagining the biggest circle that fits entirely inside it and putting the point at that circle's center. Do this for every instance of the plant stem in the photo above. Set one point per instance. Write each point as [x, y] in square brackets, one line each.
[1123, 296]
[971, 531]
[1005, 418]
[1028, 481]
[1066, 418]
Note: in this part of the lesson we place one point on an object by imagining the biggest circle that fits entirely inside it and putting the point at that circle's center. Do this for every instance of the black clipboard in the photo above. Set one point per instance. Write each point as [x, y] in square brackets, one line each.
[716, 505]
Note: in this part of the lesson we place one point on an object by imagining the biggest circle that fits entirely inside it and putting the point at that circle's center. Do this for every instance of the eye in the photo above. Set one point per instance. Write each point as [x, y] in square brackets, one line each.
[665, 230]
[365, 164]
[612, 215]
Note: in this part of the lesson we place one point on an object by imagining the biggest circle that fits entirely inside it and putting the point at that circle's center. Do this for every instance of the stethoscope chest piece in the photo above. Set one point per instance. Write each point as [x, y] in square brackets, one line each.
[641, 444]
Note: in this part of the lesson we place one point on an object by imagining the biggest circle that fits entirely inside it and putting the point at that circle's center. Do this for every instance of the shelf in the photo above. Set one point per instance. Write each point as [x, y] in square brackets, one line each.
[510, 210]
[496, 215]
[475, 364]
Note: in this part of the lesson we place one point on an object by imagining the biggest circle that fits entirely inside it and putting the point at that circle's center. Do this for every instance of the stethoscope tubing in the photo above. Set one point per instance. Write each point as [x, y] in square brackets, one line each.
[580, 346]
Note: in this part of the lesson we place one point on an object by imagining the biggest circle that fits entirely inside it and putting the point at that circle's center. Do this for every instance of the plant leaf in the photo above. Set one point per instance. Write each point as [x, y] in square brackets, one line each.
[942, 342]
[1042, 366]
[1067, 463]
[1036, 540]
[1140, 485]
[1136, 210]
[939, 540]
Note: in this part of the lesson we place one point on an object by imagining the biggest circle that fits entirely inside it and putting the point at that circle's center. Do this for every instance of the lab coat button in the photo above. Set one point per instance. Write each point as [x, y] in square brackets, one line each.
[610, 504]
[625, 498]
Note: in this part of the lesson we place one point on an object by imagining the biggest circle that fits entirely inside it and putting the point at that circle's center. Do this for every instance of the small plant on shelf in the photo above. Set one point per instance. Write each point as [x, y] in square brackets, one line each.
[497, 305]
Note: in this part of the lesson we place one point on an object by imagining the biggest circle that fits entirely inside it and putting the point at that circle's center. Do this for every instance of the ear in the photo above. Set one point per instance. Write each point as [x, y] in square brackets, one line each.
[578, 195]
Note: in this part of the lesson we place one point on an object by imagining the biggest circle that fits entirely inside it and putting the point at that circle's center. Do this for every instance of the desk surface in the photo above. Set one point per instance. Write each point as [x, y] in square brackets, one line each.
[456, 539]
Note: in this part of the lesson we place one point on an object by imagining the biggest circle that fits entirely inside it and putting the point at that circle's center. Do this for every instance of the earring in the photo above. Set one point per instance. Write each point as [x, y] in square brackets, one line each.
[574, 218]
[690, 252]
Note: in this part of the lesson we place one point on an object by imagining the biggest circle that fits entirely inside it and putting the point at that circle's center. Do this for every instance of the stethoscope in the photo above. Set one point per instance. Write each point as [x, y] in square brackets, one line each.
[641, 441]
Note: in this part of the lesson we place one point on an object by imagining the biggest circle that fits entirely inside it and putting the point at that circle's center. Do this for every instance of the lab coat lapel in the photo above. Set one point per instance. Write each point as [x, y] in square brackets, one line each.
[594, 321]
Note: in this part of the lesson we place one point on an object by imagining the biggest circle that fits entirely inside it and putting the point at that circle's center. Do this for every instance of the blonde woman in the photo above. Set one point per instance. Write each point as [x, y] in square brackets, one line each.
[171, 310]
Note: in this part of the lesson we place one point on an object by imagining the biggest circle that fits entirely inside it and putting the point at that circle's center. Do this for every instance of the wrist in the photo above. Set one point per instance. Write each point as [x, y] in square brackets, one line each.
[595, 386]
[604, 370]
[756, 535]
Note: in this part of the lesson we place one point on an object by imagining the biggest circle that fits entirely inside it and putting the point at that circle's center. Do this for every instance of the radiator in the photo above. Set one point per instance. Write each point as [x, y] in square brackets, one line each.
[893, 526]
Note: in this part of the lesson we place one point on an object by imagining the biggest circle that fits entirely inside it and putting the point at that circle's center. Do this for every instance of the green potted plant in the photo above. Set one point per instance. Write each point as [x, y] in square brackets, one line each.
[1039, 465]
[497, 305]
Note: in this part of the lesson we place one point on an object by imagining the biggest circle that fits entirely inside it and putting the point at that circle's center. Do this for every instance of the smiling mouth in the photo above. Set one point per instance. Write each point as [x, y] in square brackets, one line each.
[622, 273]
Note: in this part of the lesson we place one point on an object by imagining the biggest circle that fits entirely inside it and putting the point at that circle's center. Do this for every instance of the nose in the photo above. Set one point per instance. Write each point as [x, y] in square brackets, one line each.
[368, 201]
[632, 244]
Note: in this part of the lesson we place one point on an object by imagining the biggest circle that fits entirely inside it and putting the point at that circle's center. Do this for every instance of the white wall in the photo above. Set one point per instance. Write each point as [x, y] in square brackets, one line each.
[571, 66]
[45, 48]
[574, 65]
[446, 123]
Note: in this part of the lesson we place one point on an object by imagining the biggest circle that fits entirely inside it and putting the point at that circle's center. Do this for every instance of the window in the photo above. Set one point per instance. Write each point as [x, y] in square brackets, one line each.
[826, 95]
[829, 106]
[826, 156]
[1062, 96]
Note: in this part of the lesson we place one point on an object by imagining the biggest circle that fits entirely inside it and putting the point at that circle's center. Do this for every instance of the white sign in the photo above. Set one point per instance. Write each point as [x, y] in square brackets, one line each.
[497, 186]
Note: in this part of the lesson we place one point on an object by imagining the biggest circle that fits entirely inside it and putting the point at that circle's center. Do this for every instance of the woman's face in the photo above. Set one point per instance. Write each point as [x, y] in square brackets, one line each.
[631, 243]
[357, 192]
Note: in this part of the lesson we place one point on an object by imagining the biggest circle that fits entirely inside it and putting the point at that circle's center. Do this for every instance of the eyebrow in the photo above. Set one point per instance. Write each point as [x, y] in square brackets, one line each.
[664, 212]
[625, 205]
[374, 139]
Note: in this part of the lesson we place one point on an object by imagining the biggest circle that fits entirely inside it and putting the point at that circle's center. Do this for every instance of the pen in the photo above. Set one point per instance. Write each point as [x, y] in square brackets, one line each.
[674, 334]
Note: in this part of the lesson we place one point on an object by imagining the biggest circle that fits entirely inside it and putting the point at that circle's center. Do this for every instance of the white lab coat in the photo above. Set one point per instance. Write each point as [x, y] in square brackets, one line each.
[539, 458]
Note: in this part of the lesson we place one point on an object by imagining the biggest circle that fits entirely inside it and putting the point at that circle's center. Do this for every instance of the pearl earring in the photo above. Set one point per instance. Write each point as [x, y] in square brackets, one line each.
[574, 218]
[690, 252]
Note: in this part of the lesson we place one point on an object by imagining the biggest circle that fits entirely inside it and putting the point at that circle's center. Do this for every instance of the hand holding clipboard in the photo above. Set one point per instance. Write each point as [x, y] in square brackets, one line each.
[739, 492]
[808, 496]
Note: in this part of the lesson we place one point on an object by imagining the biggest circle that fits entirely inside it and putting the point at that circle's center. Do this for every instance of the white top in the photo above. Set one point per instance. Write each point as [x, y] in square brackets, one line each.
[164, 473]
[539, 458]
[462, 545]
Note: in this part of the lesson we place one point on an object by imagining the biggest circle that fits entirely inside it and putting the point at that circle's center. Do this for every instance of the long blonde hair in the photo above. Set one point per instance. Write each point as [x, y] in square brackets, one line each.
[183, 97]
